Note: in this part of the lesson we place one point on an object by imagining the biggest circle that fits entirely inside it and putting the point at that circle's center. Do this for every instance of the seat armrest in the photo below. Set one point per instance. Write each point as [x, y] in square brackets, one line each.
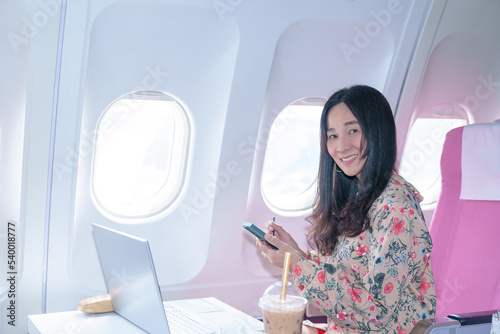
[426, 326]
[453, 321]
[474, 318]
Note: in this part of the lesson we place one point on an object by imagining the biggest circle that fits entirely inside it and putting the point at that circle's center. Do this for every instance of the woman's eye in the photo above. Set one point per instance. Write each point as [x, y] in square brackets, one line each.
[332, 136]
[353, 131]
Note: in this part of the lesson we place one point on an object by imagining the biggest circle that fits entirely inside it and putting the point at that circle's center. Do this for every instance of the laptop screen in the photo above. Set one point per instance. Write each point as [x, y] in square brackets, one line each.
[128, 269]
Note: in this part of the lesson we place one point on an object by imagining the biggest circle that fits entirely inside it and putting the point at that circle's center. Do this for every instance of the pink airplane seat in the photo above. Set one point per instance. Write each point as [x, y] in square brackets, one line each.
[465, 227]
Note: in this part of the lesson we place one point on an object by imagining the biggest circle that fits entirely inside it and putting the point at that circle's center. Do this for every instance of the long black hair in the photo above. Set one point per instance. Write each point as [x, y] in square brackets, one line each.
[342, 202]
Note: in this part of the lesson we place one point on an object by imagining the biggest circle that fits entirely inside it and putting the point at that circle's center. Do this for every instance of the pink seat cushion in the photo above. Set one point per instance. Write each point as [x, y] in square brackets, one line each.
[465, 234]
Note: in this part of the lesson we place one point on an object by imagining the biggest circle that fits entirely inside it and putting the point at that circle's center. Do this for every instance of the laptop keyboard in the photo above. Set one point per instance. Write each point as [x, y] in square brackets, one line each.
[180, 321]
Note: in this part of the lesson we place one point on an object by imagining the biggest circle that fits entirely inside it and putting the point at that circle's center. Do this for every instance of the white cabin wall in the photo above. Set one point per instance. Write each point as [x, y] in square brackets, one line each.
[98, 81]
[13, 81]
[29, 45]
[456, 62]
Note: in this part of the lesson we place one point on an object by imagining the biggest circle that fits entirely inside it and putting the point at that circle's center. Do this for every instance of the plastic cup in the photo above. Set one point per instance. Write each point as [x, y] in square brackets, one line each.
[280, 316]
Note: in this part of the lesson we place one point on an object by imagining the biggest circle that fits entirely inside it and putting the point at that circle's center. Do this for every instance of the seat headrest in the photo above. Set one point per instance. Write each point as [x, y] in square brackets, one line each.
[481, 162]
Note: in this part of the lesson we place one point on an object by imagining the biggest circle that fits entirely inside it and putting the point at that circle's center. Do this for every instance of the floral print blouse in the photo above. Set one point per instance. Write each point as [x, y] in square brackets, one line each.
[380, 281]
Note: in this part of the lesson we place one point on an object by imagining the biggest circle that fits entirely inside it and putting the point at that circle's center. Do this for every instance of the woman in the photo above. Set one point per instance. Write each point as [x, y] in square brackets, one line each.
[371, 271]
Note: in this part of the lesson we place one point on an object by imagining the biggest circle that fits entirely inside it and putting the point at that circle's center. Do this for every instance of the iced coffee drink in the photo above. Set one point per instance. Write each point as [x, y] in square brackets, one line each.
[282, 316]
[286, 317]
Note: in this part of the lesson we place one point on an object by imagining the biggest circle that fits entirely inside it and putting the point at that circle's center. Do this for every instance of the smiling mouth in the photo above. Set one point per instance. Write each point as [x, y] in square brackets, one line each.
[350, 158]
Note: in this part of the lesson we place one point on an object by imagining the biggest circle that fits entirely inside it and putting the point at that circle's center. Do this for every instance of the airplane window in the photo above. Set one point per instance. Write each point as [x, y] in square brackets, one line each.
[291, 159]
[140, 154]
[420, 163]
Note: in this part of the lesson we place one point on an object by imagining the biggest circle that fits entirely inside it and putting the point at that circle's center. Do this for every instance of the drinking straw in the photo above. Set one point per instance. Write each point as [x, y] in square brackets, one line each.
[284, 278]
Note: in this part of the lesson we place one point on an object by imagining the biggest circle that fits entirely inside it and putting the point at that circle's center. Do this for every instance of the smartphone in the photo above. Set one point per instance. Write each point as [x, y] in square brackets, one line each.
[258, 233]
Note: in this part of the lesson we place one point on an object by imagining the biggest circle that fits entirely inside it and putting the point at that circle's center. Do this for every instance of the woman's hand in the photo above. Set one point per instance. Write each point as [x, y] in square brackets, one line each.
[284, 242]
[282, 235]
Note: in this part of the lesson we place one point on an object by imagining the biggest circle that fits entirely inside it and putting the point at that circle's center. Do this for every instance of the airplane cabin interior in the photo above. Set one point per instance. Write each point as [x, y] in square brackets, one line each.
[176, 121]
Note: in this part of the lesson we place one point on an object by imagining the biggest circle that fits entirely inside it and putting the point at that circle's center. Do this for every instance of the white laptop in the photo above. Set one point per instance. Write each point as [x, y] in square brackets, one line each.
[128, 269]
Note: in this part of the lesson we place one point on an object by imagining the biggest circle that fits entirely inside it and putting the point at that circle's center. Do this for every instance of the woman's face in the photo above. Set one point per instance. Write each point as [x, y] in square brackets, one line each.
[344, 140]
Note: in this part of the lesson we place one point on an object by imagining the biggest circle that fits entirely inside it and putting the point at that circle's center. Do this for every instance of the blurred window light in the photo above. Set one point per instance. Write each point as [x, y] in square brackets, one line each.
[140, 154]
[291, 160]
[420, 163]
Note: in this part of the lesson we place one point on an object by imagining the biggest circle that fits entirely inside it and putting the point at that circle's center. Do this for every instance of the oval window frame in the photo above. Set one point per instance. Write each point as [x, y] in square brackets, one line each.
[167, 194]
